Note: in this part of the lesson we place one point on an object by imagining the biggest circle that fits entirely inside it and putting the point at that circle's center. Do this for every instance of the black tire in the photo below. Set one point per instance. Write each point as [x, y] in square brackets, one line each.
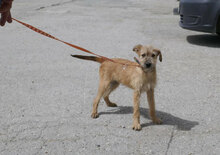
[218, 26]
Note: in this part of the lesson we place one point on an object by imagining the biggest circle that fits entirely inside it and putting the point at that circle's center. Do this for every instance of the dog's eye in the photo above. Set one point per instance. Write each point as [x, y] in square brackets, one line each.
[153, 55]
[143, 55]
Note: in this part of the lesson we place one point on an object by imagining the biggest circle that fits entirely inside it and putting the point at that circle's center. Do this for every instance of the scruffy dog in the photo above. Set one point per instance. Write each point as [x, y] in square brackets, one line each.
[140, 78]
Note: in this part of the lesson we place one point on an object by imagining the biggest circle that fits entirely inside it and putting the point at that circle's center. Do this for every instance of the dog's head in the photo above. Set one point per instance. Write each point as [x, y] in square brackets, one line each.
[147, 57]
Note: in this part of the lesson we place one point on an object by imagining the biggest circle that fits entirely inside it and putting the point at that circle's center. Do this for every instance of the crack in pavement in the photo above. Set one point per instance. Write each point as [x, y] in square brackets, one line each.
[55, 4]
[170, 141]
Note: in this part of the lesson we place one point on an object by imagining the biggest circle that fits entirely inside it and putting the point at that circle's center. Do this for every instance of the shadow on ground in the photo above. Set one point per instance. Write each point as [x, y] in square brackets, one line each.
[204, 40]
[167, 119]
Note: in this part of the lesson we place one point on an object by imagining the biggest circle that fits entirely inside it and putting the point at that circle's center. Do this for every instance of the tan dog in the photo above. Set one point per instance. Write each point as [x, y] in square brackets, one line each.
[141, 79]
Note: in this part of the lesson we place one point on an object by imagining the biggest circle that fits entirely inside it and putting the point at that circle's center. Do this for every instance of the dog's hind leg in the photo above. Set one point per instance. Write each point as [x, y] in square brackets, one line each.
[103, 85]
[113, 85]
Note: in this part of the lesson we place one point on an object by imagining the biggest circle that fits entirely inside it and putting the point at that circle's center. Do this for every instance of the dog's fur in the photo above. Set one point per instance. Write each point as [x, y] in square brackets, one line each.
[140, 79]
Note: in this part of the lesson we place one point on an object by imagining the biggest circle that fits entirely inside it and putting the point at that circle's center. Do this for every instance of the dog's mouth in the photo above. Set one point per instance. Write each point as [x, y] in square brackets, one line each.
[147, 66]
[148, 69]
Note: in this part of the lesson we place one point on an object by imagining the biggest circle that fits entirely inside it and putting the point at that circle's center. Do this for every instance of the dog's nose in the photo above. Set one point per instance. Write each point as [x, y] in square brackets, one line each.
[148, 65]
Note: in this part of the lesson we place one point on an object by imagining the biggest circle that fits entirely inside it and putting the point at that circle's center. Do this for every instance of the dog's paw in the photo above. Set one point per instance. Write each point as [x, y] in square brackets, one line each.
[157, 121]
[95, 115]
[136, 127]
[112, 105]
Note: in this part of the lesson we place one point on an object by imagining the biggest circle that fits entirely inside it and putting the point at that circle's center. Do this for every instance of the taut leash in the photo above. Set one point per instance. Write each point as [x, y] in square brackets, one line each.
[69, 44]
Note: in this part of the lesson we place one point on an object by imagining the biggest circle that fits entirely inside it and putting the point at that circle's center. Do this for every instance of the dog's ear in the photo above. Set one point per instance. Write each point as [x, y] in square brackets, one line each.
[158, 53]
[137, 48]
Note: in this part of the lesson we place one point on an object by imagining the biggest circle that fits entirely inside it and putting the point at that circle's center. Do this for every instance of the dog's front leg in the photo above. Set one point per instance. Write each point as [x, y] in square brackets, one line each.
[151, 102]
[136, 113]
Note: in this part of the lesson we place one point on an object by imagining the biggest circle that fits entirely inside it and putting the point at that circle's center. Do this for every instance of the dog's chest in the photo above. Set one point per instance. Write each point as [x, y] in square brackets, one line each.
[148, 82]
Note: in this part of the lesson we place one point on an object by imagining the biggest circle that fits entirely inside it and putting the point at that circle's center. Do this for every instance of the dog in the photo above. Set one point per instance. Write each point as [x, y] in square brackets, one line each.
[140, 78]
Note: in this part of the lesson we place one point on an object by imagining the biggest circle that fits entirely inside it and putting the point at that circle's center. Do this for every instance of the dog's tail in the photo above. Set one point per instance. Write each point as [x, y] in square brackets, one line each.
[92, 58]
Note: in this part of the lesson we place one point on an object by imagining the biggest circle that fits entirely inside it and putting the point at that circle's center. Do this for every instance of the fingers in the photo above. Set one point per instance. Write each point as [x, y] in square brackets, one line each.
[9, 20]
[5, 12]
[4, 18]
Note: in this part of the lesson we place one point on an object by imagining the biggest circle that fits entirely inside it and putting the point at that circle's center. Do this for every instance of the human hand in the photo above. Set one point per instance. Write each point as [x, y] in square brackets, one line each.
[5, 12]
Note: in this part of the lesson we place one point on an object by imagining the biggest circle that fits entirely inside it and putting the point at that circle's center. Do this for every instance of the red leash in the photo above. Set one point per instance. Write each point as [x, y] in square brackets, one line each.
[72, 45]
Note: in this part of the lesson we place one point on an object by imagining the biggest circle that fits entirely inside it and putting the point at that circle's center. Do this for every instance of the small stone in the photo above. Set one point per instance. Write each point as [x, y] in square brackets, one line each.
[122, 126]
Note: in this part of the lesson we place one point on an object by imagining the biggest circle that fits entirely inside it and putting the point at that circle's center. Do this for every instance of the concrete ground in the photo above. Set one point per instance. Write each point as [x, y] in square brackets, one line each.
[46, 95]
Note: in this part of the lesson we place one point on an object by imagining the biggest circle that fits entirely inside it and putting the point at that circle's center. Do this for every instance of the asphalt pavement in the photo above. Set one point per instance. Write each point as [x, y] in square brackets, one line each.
[46, 95]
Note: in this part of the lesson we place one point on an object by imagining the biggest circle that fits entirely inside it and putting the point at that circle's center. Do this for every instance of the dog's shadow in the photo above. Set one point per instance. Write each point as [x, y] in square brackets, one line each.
[167, 119]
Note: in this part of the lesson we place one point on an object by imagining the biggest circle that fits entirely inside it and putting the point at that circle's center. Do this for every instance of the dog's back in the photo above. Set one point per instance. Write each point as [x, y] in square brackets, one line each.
[128, 74]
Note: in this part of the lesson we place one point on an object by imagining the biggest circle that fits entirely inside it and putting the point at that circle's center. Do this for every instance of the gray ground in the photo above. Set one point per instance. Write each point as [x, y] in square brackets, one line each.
[46, 95]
